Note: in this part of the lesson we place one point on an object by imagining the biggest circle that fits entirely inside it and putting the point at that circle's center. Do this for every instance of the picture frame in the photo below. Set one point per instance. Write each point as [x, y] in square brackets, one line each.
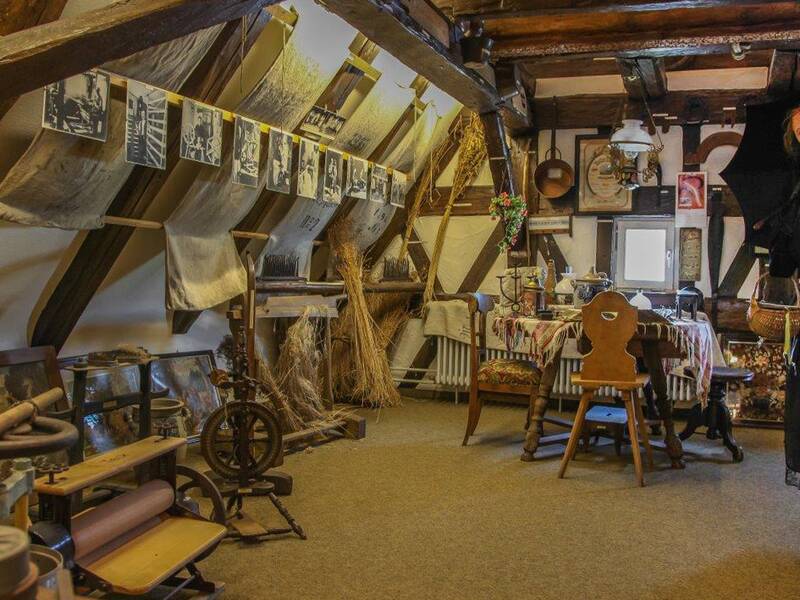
[78, 105]
[760, 402]
[550, 224]
[27, 372]
[691, 192]
[187, 377]
[279, 161]
[201, 133]
[597, 192]
[146, 131]
[246, 151]
[308, 169]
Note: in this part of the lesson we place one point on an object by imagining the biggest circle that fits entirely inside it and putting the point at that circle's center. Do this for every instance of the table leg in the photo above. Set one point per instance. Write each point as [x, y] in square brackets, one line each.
[539, 399]
[655, 367]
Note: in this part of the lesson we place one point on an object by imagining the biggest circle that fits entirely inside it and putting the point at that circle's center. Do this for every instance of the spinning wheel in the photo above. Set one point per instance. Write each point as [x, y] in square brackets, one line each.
[189, 480]
[241, 440]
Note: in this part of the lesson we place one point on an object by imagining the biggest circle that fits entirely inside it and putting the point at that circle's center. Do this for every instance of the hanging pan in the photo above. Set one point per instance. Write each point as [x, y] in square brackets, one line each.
[553, 177]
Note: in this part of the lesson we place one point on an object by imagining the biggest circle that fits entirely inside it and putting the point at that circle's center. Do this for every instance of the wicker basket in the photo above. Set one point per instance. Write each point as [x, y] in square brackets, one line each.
[769, 320]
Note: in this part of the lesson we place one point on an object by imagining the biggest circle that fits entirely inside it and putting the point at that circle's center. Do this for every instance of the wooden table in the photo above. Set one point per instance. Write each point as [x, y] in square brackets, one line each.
[650, 346]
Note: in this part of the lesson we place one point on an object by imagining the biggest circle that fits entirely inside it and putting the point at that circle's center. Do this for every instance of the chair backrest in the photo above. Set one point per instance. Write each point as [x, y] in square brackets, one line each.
[609, 321]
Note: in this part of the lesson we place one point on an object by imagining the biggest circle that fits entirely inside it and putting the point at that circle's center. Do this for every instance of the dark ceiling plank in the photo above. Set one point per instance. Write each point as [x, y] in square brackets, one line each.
[18, 16]
[643, 77]
[101, 247]
[23, 14]
[389, 25]
[678, 32]
[545, 67]
[782, 72]
[502, 9]
[40, 55]
[592, 110]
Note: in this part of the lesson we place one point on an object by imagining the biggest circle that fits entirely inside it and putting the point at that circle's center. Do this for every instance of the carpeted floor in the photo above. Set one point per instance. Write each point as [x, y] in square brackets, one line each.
[409, 513]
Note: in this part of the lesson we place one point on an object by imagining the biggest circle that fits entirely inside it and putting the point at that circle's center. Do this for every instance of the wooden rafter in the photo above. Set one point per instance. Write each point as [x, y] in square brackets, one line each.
[782, 72]
[643, 77]
[417, 45]
[40, 55]
[101, 247]
[679, 29]
[18, 16]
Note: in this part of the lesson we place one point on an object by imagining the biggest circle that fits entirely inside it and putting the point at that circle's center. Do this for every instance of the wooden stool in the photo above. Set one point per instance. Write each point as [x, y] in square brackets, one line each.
[716, 416]
[609, 321]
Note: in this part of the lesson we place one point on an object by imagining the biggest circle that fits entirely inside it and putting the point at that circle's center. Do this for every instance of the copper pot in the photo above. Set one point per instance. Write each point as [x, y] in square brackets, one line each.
[553, 177]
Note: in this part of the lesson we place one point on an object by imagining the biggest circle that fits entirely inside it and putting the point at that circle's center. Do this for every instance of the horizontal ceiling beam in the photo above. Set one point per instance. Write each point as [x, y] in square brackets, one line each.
[419, 46]
[675, 32]
[685, 107]
[502, 9]
[37, 56]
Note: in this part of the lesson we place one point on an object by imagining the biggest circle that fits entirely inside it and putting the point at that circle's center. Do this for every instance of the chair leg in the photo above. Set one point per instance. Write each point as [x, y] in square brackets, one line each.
[475, 406]
[643, 429]
[637, 457]
[575, 434]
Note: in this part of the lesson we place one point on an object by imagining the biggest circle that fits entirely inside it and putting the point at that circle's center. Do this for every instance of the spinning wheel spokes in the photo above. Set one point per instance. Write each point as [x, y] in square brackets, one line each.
[231, 425]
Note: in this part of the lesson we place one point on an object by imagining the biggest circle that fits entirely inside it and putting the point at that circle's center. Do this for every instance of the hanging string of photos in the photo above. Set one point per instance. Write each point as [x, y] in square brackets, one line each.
[79, 106]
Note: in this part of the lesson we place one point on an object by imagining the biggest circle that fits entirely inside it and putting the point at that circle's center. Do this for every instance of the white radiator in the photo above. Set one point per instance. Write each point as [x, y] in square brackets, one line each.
[453, 362]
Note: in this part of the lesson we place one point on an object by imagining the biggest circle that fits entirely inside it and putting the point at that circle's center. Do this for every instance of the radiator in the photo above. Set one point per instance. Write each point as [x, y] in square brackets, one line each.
[453, 363]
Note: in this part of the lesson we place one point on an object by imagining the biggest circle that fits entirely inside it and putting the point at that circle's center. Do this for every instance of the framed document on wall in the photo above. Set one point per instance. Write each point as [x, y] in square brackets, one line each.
[598, 190]
[690, 254]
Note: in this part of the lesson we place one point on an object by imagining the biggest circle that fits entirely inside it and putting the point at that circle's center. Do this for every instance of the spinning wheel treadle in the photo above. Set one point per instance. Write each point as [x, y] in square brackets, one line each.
[234, 424]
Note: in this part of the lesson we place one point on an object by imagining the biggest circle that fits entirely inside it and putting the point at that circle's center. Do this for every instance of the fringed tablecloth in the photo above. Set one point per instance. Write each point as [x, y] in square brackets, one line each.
[543, 340]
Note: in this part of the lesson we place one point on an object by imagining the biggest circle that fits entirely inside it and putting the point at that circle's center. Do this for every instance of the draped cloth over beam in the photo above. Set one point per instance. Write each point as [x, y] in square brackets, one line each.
[69, 182]
[203, 264]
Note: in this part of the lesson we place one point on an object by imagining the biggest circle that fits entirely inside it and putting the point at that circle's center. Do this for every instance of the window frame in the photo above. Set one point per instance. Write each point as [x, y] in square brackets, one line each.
[621, 224]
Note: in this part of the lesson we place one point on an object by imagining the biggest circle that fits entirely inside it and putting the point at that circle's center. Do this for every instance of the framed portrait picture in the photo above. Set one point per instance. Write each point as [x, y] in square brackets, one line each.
[332, 190]
[279, 161]
[357, 169]
[78, 105]
[246, 151]
[691, 191]
[308, 169]
[598, 190]
[378, 184]
[398, 193]
[201, 133]
[146, 133]
[187, 377]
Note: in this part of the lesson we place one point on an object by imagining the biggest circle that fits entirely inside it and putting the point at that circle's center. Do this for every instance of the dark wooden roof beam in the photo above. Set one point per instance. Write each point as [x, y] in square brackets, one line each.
[643, 77]
[37, 56]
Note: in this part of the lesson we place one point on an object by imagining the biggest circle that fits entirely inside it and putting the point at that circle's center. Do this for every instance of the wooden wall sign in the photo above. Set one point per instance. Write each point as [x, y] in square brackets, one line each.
[690, 254]
[554, 224]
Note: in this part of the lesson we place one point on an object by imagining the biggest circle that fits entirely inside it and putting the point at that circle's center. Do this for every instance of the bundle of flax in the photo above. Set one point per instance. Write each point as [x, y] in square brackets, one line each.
[297, 370]
[471, 156]
[366, 375]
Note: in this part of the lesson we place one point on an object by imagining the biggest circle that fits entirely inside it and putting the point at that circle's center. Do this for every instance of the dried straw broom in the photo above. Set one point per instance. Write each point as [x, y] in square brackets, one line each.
[368, 370]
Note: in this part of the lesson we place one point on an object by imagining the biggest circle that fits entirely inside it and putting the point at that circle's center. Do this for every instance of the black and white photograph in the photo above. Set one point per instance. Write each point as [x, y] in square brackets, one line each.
[378, 184]
[78, 105]
[323, 122]
[357, 178]
[146, 129]
[332, 191]
[201, 133]
[398, 194]
[246, 151]
[308, 170]
[279, 161]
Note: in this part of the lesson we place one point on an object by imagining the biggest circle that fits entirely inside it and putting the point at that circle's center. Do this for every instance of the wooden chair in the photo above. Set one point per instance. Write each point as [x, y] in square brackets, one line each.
[505, 376]
[609, 321]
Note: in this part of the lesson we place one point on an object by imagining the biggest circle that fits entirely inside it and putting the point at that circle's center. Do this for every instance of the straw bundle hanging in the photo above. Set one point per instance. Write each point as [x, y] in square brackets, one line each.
[370, 376]
[471, 157]
[424, 188]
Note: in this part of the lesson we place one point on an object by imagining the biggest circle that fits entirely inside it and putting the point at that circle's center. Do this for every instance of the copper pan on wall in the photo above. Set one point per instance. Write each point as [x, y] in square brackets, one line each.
[553, 177]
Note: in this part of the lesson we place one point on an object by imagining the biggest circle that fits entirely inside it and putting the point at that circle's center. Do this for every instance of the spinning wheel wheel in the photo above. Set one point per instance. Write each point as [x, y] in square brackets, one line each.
[189, 480]
[241, 440]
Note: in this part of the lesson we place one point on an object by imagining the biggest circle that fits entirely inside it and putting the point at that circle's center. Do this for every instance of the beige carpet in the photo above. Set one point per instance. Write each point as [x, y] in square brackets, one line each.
[409, 513]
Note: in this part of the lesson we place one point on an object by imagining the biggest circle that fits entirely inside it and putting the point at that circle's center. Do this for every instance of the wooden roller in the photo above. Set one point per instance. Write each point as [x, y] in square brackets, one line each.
[97, 527]
[23, 411]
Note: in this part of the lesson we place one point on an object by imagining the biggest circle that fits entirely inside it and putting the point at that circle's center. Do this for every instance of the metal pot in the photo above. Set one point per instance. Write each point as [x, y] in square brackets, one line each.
[588, 286]
[553, 177]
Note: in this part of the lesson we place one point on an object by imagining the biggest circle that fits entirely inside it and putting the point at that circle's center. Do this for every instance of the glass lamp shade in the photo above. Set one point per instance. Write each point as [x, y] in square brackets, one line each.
[631, 138]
